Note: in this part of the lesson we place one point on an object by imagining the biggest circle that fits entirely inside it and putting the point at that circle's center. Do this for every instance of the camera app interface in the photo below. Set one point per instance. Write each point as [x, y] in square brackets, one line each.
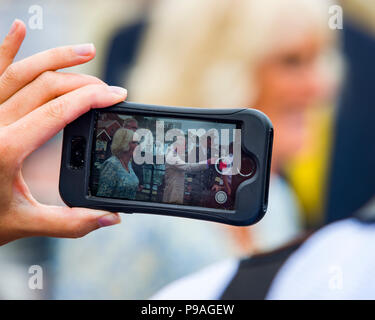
[168, 160]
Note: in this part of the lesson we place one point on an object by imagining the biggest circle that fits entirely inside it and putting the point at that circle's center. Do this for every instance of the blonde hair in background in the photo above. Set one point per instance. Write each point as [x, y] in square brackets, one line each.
[121, 141]
[205, 53]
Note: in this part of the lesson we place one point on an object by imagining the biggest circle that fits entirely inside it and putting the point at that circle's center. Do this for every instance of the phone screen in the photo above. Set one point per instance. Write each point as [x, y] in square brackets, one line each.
[170, 160]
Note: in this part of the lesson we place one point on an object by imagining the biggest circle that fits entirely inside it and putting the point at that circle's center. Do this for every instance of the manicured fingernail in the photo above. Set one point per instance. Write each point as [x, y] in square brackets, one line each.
[14, 26]
[84, 49]
[118, 90]
[109, 220]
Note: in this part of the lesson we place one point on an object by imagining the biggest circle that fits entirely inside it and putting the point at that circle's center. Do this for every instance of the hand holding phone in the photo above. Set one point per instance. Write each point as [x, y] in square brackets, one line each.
[36, 102]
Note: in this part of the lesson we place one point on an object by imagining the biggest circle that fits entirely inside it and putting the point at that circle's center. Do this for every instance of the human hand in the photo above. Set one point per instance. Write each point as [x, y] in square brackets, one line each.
[36, 102]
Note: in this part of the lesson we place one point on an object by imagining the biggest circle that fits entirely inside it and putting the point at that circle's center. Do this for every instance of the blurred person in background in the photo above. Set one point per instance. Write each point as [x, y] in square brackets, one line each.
[337, 262]
[278, 57]
[342, 191]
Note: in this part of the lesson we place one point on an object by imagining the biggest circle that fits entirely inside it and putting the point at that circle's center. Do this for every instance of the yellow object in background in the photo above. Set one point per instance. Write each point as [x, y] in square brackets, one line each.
[307, 173]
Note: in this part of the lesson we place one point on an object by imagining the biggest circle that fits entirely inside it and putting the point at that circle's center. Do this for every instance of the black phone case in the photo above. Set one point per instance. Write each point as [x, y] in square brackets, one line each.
[251, 196]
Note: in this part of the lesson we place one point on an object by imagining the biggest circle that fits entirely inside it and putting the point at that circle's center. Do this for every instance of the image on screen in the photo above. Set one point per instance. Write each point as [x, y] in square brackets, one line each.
[168, 160]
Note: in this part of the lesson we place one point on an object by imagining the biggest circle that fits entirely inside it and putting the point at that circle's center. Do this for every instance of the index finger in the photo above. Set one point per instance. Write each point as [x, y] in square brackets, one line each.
[11, 44]
[20, 73]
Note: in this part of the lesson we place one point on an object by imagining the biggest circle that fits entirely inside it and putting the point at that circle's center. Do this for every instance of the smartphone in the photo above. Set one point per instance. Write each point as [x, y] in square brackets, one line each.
[208, 164]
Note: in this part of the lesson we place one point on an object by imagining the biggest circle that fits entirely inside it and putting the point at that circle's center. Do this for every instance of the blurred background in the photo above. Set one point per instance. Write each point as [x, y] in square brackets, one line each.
[291, 59]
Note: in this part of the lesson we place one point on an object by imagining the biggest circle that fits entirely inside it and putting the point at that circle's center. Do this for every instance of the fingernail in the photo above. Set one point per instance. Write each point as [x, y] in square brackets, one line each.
[14, 27]
[84, 49]
[109, 220]
[118, 90]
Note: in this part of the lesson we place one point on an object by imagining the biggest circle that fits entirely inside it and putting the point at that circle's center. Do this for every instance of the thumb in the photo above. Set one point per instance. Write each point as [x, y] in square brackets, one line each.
[65, 222]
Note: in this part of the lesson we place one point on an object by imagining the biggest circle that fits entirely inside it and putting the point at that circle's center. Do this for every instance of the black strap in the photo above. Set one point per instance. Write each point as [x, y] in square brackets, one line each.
[255, 274]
